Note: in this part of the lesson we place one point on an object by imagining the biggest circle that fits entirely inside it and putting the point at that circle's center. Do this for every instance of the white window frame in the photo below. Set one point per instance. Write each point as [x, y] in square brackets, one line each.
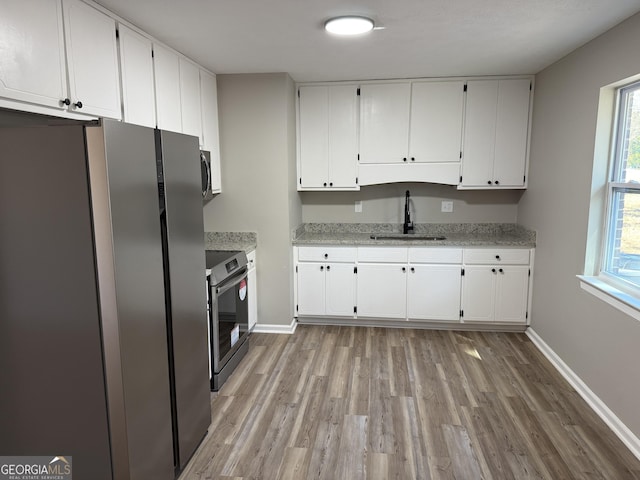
[608, 287]
[616, 186]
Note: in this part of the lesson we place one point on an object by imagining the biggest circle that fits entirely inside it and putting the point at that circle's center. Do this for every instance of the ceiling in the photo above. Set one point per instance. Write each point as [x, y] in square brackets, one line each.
[420, 38]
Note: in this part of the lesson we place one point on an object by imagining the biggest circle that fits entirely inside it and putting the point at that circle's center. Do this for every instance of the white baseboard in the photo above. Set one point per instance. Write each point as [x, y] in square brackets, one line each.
[611, 419]
[267, 328]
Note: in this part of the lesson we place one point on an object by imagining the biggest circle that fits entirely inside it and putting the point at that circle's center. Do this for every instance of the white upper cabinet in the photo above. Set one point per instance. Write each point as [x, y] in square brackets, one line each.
[480, 133]
[136, 68]
[411, 132]
[210, 134]
[418, 122]
[436, 121]
[167, 83]
[190, 99]
[33, 35]
[512, 132]
[384, 122]
[92, 60]
[496, 133]
[32, 52]
[328, 140]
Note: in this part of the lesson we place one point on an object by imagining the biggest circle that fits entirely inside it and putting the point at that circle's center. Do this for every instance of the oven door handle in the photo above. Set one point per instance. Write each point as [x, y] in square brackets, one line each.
[233, 281]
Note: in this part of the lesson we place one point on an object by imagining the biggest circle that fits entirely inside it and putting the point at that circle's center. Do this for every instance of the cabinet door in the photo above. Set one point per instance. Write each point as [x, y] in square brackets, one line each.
[253, 291]
[436, 121]
[479, 133]
[136, 67]
[311, 289]
[210, 133]
[512, 294]
[314, 137]
[340, 288]
[92, 60]
[479, 293]
[166, 66]
[433, 292]
[512, 132]
[382, 290]
[32, 53]
[190, 99]
[343, 136]
[384, 122]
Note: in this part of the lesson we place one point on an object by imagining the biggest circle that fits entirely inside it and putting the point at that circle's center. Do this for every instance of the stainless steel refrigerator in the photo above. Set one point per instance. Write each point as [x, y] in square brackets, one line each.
[103, 336]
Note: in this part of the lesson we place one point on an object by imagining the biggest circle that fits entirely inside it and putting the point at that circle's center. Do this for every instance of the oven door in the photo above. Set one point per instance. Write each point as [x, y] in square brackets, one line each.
[229, 318]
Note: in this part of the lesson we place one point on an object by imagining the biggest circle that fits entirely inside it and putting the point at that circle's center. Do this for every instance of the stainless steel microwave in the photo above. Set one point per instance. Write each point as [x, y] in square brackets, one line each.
[205, 168]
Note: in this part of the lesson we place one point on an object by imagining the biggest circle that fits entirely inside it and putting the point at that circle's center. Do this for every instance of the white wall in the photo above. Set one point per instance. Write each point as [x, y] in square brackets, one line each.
[385, 204]
[257, 140]
[597, 342]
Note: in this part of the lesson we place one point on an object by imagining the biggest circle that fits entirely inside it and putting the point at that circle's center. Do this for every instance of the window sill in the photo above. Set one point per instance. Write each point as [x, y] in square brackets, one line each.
[615, 297]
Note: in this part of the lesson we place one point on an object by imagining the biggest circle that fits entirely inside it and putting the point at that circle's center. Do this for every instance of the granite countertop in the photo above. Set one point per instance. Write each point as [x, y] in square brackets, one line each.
[456, 234]
[247, 241]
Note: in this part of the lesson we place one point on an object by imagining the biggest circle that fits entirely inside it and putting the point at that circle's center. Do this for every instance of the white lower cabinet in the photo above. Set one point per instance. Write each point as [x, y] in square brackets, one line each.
[253, 290]
[496, 286]
[433, 283]
[512, 292]
[325, 288]
[311, 289]
[417, 284]
[382, 290]
[433, 292]
[382, 282]
[339, 289]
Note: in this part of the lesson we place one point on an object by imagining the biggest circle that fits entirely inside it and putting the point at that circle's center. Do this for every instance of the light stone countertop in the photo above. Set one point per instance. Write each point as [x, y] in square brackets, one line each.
[459, 234]
[247, 241]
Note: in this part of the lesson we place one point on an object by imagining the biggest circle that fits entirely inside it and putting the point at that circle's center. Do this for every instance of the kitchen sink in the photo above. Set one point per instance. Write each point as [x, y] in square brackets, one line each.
[407, 236]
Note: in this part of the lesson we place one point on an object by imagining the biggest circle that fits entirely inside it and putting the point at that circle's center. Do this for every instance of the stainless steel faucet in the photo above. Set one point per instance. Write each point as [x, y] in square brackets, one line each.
[407, 227]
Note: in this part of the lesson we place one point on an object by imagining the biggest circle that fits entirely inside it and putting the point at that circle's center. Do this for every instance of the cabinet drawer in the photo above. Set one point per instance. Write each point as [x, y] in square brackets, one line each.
[382, 254]
[435, 255]
[323, 254]
[483, 256]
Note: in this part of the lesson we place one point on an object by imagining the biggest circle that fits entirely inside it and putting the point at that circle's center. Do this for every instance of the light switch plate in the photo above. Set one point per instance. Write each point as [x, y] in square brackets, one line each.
[447, 206]
[358, 206]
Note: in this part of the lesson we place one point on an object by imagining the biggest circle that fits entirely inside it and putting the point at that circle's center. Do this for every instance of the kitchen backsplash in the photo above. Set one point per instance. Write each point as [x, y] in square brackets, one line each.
[385, 204]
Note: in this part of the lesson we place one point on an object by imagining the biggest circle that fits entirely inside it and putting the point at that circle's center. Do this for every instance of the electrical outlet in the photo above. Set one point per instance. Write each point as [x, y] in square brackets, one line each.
[358, 206]
[447, 206]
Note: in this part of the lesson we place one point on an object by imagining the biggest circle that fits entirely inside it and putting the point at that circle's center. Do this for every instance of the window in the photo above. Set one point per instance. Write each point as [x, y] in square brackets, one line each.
[621, 259]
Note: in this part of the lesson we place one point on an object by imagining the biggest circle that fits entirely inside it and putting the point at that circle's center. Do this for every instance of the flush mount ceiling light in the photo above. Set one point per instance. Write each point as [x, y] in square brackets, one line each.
[349, 25]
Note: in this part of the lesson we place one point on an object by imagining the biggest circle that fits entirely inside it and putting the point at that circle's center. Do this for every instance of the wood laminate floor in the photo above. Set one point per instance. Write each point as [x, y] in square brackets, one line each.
[373, 403]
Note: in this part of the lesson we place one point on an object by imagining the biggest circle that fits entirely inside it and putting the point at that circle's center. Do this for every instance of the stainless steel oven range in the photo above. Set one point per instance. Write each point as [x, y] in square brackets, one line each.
[228, 312]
